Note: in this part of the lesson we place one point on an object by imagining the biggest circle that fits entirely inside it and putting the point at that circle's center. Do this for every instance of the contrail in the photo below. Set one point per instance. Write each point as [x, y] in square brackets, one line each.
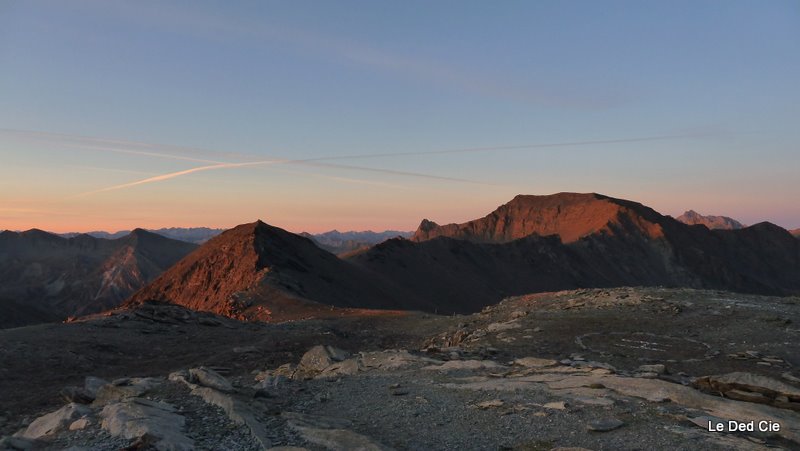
[110, 145]
[172, 175]
[503, 148]
[316, 162]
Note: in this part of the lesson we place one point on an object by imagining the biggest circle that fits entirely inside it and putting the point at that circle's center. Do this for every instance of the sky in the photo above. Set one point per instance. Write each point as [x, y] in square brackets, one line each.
[357, 115]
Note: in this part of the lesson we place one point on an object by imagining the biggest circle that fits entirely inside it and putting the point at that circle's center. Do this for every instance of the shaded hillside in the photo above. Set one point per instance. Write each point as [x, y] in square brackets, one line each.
[795, 232]
[592, 241]
[344, 242]
[692, 217]
[44, 277]
[258, 271]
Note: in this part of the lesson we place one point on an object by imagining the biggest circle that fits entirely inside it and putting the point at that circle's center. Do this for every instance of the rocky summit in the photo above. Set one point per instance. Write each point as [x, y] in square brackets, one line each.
[623, 368]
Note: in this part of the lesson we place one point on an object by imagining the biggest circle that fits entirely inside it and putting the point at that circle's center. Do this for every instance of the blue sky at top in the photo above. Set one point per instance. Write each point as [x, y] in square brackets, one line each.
[308, 79]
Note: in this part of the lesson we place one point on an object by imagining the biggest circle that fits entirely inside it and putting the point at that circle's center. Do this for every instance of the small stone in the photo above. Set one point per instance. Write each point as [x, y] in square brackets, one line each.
[604, 424]
[518, 314]
[556, 405]
[79, 424]
[494, 403]
[647, 375]
[657, 368]
[535, 362]
[771, 360]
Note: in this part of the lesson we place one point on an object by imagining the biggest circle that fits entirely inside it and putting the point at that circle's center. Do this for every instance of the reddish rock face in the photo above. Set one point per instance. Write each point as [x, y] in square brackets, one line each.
[570, 216]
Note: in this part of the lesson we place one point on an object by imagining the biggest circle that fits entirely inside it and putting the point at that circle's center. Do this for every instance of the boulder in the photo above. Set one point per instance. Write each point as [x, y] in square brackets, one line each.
[153, 422]
[320, 357]
[210, 378]
[125, 388]
[54, 422]
[237, 411]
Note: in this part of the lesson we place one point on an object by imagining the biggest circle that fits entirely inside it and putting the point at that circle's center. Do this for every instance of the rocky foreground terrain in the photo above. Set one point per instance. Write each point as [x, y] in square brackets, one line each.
[625, 368]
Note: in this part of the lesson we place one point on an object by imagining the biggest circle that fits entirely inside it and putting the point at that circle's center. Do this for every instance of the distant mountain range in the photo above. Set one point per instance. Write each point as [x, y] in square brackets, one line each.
[197, 235]
[345, 242]
[692, 217]
[333, 241]
[45, 277]
[531, 244]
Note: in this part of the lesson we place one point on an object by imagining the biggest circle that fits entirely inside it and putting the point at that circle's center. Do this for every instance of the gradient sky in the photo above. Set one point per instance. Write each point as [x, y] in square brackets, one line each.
[127, 114]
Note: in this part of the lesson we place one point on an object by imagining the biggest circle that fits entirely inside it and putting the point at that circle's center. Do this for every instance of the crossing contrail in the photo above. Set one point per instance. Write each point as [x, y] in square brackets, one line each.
[132, 147]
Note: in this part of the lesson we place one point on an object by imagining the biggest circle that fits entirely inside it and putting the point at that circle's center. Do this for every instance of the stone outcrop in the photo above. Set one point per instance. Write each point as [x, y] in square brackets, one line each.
[752, 388]
[152, 423]
[54, 422]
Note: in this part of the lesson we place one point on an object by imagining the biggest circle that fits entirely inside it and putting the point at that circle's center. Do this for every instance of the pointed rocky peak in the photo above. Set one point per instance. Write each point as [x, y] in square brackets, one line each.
[692, 217]
[426, 225]
[571, 216]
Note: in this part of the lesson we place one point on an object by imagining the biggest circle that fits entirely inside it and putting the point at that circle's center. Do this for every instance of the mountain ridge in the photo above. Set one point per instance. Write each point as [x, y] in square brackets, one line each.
[46, 277]
[531, 244]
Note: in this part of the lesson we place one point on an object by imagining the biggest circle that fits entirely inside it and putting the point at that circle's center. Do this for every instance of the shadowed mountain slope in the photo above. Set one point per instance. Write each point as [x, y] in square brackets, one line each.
[45, 277]
[692, 217]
